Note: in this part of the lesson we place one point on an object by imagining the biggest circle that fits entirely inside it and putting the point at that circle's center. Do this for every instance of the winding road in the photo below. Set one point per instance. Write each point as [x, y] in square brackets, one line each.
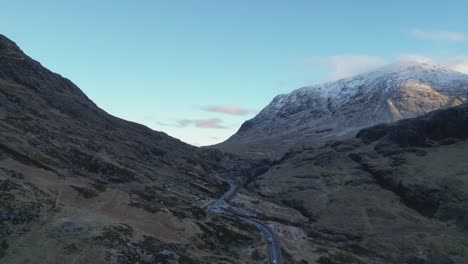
[273, 244]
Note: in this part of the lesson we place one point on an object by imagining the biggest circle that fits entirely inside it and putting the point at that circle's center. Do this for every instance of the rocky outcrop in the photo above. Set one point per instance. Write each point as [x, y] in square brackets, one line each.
[440, 126]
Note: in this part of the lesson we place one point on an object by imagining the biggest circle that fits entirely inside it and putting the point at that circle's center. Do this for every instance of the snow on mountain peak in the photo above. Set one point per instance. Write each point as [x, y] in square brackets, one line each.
[404, 89]
[413, 68]
[394, 74]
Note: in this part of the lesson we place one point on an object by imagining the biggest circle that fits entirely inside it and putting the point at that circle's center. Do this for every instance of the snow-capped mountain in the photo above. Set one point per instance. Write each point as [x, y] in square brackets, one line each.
[335, 110]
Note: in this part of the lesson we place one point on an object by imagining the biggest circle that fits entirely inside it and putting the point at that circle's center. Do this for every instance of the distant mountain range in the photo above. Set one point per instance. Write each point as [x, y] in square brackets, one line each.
[337, 110]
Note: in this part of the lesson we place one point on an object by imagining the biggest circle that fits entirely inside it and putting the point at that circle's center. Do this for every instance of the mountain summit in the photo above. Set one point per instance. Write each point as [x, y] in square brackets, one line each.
[339, 109]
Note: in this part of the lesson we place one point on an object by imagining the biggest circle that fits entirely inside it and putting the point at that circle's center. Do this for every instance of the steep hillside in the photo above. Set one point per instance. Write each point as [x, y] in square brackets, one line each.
[78, 185]
[397, 193]
[339, 109]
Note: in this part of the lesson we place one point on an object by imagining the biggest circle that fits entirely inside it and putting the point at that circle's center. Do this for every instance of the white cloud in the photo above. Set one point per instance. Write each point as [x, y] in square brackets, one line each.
[417, 58]
[438, 35]
[458, 64]
[342, 66]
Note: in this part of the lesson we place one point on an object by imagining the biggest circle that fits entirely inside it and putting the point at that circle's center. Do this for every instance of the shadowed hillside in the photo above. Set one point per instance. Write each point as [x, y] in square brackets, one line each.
[78, 185]
[397, 193]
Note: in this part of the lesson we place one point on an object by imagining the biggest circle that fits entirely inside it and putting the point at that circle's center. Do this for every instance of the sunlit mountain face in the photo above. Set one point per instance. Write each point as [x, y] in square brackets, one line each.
[339, 109]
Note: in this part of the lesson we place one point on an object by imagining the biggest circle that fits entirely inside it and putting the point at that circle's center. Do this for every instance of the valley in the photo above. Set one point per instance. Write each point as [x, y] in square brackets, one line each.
[368, 169]
[82, 186]
[274, 247]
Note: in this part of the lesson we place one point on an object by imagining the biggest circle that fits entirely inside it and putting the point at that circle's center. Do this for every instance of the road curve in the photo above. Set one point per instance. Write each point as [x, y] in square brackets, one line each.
[273, 244]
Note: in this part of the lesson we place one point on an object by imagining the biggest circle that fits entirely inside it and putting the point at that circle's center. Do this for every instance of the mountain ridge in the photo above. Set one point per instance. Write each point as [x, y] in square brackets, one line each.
[335, 110]
[80, 185]
[395, 193]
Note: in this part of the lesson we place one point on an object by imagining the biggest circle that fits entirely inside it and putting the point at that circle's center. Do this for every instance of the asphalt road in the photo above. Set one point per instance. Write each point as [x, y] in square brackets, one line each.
[273, 244]
[226, 195]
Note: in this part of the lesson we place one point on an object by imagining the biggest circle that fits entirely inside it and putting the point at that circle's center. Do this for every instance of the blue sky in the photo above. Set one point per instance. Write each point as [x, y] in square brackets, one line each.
[197, 69]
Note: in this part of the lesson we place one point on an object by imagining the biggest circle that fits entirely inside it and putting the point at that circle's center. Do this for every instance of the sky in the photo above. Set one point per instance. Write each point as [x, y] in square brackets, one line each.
[197, 69]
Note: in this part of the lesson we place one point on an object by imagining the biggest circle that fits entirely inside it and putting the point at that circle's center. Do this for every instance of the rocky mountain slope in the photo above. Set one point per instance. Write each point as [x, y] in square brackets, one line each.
[78, 185]
[339, 109]
[397, 193]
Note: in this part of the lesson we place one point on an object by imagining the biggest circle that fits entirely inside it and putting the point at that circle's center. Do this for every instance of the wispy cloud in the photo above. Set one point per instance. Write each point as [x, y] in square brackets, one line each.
[440, 35]
[228, 110]
[416, 58]
[459, 64]
[215, 123]
[342, 66]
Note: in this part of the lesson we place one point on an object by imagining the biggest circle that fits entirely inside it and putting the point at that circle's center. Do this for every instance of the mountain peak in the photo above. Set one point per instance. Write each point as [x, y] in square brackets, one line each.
[414, 62]
[336, 110]
[414, 66]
